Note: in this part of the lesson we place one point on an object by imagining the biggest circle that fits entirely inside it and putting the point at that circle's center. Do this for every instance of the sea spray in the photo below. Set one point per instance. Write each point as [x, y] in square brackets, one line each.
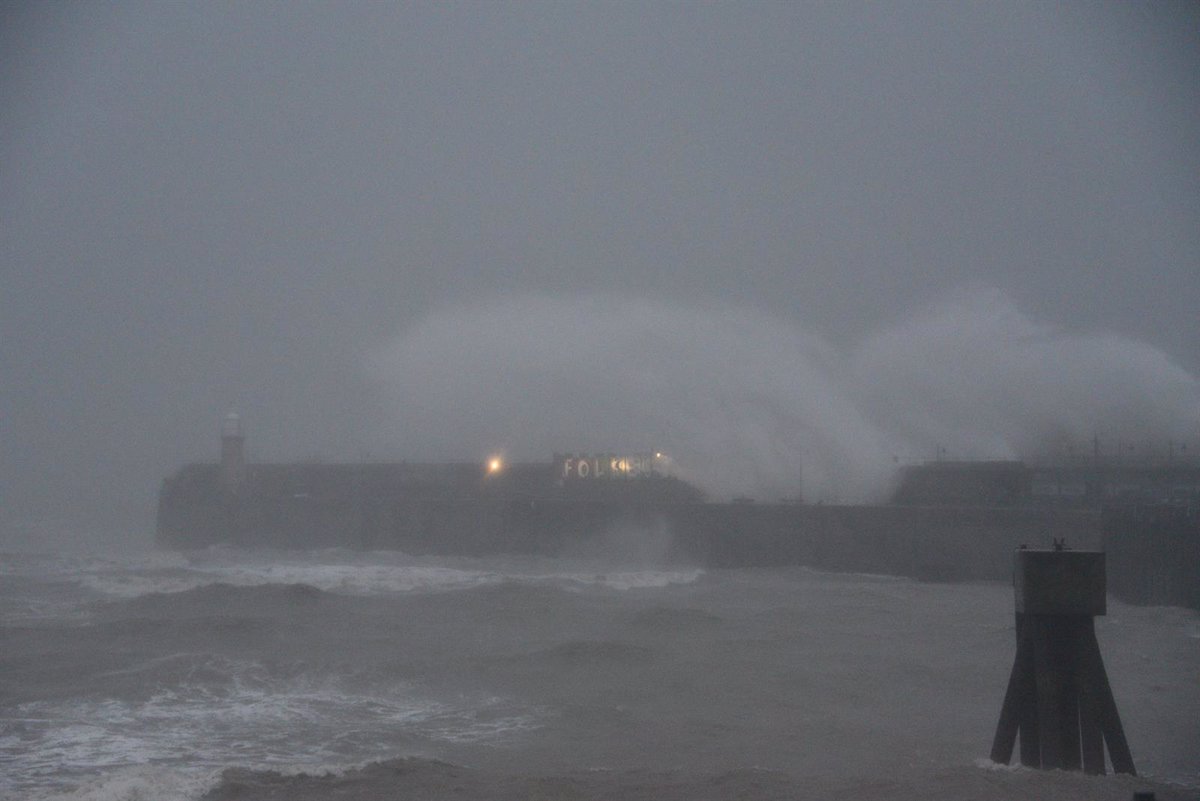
[744, 403]
[749, 404]
[975, 376]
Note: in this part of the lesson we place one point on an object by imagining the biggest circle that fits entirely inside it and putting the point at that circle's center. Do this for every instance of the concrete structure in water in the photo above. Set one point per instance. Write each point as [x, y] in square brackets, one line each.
[948, 522]
[1059, 701]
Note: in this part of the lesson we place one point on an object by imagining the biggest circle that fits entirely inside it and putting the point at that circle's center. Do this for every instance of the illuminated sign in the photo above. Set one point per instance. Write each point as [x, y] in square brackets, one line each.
[605, 466]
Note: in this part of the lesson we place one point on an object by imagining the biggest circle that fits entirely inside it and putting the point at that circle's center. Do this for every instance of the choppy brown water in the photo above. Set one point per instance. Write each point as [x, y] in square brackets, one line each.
[308, 675]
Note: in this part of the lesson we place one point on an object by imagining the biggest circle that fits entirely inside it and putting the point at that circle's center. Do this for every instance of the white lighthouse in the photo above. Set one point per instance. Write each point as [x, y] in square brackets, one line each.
[233, 457]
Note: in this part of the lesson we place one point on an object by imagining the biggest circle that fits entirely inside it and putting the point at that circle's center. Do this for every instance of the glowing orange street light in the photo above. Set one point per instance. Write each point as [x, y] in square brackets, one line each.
[495, 465]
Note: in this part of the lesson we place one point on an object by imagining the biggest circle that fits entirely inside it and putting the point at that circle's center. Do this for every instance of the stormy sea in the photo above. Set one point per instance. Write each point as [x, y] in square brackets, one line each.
[228, 674]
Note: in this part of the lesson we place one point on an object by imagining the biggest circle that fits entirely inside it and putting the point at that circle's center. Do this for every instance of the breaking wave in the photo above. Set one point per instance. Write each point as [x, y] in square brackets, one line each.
[750, 404]
[209, 711]
[229, 573]
[352, 579]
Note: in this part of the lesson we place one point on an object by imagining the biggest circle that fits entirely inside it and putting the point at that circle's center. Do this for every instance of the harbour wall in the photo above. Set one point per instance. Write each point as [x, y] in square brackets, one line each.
[1154, 554]
[936, 543]
[927, 543]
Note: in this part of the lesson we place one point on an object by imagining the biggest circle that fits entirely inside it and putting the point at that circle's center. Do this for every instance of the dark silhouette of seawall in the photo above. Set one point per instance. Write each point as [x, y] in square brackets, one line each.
[964, 526]
[453, 509]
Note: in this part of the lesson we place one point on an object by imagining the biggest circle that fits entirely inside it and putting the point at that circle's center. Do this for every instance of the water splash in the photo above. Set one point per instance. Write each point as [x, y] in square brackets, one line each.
[750, 404]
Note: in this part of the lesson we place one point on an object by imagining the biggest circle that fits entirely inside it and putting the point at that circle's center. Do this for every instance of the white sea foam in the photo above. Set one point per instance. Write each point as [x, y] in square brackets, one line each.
[35, 610]
[249, 720]
[987, 764]
[629, 580]
[357, 577]
[140, 783]
[353, 579]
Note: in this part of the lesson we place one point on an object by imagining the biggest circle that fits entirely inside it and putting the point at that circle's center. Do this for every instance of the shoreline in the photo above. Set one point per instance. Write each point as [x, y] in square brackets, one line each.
[415, 778]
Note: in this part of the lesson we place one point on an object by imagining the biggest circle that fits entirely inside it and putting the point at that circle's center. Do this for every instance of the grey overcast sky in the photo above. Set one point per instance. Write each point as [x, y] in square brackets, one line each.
[216, 205]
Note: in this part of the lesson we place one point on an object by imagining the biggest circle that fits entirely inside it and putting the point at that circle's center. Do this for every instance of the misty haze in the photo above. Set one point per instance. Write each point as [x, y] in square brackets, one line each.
[589, 400]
